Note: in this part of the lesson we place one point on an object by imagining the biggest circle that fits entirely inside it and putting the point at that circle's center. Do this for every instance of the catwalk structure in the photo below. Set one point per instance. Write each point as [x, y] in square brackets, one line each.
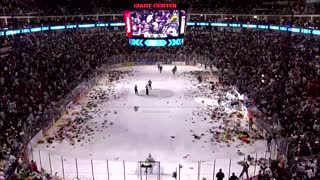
[181, 121]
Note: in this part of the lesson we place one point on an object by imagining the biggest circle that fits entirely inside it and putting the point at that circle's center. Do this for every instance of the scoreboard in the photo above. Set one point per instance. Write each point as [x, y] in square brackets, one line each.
[155, 24]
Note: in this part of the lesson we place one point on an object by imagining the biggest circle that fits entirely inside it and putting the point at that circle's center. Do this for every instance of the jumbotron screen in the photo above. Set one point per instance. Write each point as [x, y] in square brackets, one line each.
[164, 23]
[155, 21]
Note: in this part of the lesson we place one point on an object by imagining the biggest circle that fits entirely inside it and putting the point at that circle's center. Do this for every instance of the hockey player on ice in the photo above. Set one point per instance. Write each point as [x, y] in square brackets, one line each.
[136, 89]
[200, 79]
[147, 90]
[174, 70]
[150, 84]
[160, 67]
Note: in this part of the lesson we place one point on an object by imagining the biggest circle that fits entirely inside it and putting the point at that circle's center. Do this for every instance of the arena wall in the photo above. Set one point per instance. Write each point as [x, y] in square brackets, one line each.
[178, 63]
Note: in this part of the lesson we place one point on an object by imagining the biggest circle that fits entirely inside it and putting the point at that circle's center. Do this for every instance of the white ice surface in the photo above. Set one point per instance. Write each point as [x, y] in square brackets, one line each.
[168, 111]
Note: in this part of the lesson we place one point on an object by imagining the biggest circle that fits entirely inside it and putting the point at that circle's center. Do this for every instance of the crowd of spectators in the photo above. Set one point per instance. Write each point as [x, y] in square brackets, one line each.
[307, 22]
[18, 7]
[76, 7]
[278, 71]
[39, 8]
[276, 20]
[250, 7]
[38, 71]
[36, 21]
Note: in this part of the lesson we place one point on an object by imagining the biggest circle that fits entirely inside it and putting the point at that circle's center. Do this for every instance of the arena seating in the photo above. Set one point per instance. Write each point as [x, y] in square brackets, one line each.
[37, 21]
[279, 72]
[39, 70]
[37, 7]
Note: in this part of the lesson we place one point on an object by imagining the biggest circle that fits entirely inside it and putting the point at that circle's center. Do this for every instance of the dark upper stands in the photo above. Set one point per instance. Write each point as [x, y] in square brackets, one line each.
[38, 8]
[76, 7]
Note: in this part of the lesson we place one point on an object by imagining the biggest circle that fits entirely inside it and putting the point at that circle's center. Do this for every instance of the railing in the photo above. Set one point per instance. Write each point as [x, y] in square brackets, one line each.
[305, 31]
[312, 20]
[204, 16]
[94, 168]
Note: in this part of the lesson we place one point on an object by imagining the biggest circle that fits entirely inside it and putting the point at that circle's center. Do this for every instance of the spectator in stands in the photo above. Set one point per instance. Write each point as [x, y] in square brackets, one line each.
[250, 123]
[34, 167]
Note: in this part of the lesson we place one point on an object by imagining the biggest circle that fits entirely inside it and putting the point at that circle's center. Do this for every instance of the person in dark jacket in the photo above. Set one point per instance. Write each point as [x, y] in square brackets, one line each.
[174, 70]
[136, 89]
[250, 124]
[220, 175]
[233, 177]
[269, 140]
[200, 79]
[147, 90]
[260, 175]
[244, 169]
[150, 84]
[12, 168]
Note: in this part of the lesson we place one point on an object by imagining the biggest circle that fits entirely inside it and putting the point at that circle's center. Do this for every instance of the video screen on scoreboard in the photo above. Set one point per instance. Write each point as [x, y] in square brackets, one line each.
[155, 23]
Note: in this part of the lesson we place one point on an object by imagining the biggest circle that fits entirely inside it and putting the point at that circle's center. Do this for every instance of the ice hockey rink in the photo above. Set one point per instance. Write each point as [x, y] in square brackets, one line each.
[111, 129]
